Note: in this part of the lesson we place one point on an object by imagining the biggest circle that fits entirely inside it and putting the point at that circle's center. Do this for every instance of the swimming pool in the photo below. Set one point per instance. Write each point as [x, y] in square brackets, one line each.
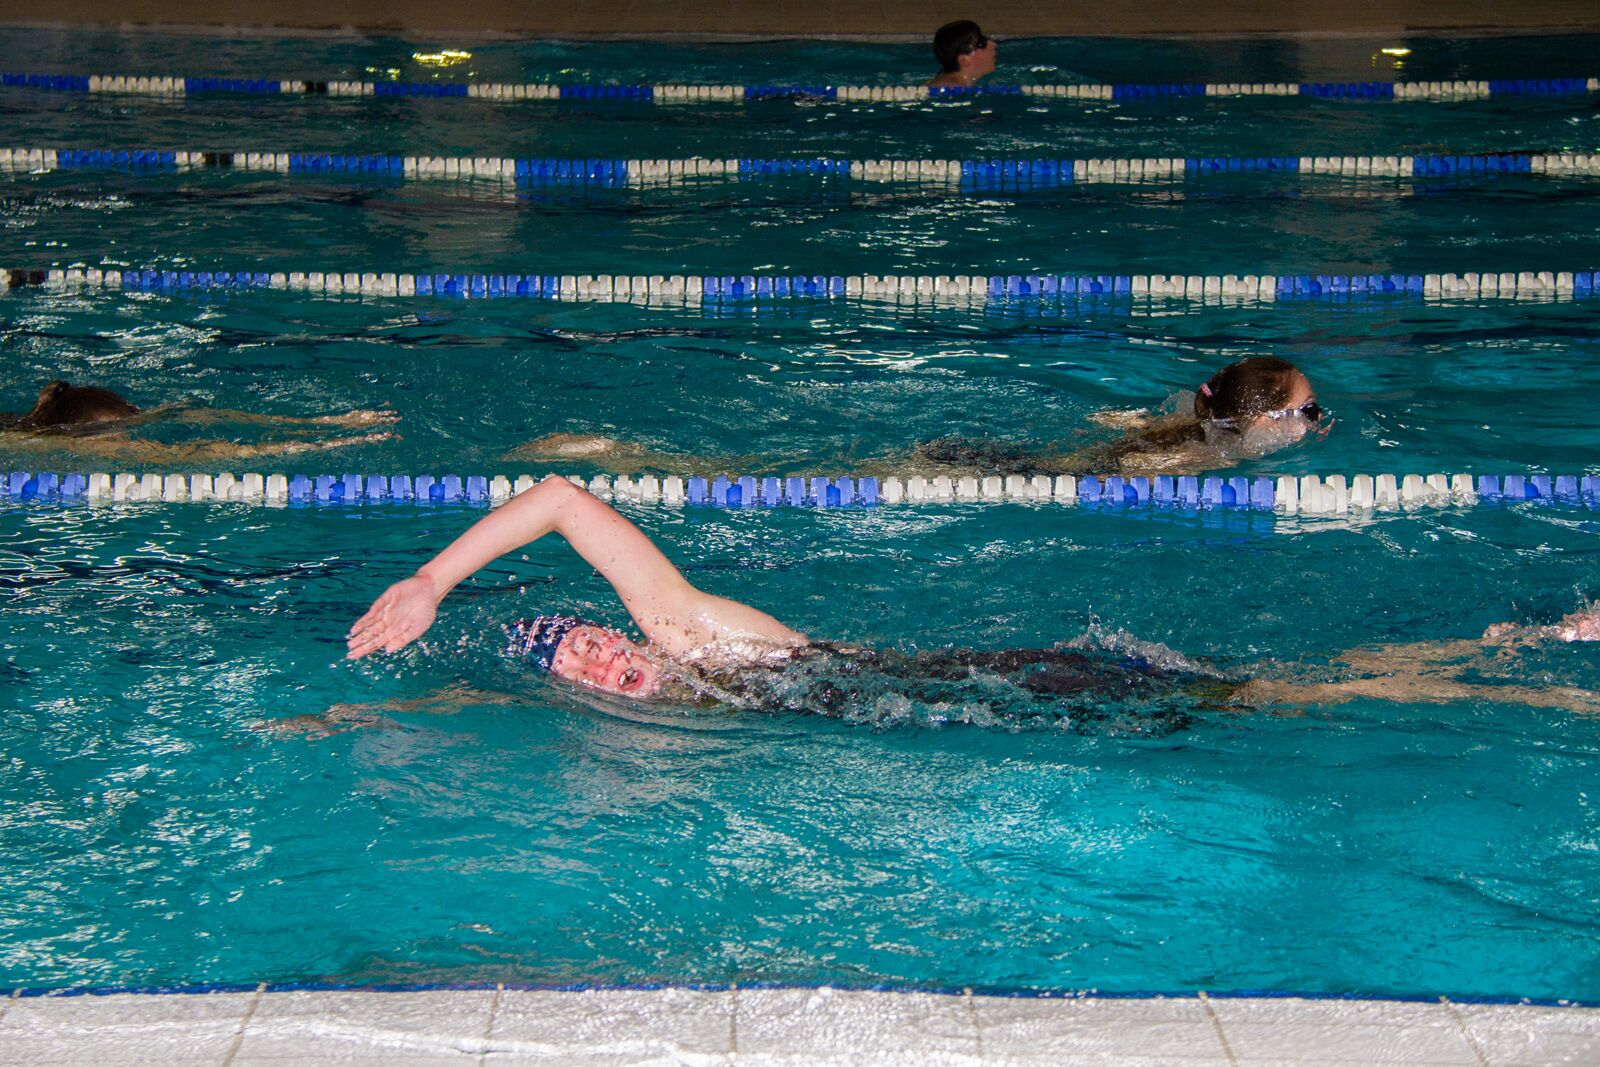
[181, 809]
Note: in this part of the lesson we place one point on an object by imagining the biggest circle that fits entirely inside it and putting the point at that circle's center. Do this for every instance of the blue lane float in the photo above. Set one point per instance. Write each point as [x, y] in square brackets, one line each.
[1305, 494]
[993, 289]
[1456, 89]
[963, 174]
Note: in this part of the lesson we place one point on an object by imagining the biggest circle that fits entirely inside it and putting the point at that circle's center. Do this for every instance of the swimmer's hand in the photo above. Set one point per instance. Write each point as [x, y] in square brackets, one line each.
[401, 615]
[358, 418]
[1581, 625]
[1126, 419]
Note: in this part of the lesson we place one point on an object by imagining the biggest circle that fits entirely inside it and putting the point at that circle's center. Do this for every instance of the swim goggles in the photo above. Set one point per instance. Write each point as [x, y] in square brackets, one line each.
[1311, 411]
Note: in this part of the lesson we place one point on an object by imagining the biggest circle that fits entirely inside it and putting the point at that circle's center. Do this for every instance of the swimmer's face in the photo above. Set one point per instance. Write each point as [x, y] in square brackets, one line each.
[980, 61]
[604, 659]
[1299, 415]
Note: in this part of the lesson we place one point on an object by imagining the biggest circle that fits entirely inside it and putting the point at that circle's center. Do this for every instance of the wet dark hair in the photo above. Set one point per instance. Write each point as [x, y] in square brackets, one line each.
[954, 40]
[1245, 389]
[61, 404]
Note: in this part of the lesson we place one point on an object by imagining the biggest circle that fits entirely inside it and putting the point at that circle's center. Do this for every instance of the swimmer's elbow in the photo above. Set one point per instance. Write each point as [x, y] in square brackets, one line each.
[572, 510]
[556, 488]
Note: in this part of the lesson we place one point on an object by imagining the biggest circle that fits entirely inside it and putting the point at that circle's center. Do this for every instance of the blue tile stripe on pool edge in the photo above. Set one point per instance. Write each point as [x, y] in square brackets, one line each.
[722, 987]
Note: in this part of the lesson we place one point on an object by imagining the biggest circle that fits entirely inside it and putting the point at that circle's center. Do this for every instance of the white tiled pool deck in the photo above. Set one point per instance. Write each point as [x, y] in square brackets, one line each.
[776, 1026]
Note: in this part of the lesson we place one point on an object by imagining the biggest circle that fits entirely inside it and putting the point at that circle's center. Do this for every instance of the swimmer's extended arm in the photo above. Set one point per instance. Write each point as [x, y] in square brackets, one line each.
[672, 613]
[1423, 671]
[1499, 640]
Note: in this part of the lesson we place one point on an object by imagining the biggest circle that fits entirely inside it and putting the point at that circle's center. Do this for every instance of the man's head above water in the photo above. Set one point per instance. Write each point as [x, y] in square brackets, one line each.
[591, 655]
[965, 55]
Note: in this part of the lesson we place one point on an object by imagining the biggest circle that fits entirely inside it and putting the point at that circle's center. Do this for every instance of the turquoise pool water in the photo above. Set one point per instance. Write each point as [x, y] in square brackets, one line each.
[198, 789]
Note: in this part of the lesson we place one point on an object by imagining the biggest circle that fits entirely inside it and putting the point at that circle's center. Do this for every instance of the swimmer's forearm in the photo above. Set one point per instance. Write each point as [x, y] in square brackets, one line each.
[525, 518]
[623, 555]
[669, 610]
[407, 609]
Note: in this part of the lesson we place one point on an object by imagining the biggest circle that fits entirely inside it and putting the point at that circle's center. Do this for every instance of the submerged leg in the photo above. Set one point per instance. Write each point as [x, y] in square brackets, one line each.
[1417, 689]
[351, 419]
[610, 455]
[130, 450]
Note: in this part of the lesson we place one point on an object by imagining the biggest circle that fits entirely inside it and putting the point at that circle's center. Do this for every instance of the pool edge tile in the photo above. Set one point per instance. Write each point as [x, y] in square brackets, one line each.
[853, 1024]
[404, 1027]
[763, 1027]
[120, 1028]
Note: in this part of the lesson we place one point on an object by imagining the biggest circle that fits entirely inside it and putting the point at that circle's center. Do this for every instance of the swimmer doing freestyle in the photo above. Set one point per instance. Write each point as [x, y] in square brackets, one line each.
[692, 634]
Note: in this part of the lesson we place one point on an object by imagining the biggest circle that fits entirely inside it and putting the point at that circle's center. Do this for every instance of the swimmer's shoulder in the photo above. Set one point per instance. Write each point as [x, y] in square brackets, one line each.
[748, 651]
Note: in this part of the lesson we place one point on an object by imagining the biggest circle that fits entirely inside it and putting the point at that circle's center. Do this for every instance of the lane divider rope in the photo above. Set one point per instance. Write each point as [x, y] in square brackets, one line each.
[695, 289]
[967, 173]
[1335, 494]
[679, 93]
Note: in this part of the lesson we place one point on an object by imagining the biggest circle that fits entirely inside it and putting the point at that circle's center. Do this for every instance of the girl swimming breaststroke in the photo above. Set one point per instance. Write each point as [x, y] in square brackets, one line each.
[691, 634]
[1248, 409]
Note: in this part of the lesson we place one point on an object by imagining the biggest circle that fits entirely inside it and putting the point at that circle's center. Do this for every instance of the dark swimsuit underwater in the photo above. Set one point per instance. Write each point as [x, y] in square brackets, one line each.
[1092, 690]
[1062, 688]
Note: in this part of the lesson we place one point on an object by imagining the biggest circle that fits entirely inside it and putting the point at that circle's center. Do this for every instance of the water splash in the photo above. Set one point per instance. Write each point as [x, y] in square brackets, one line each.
[1101, 683]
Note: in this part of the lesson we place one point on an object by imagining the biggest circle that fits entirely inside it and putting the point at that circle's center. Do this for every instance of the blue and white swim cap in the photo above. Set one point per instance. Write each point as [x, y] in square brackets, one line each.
[542, 636]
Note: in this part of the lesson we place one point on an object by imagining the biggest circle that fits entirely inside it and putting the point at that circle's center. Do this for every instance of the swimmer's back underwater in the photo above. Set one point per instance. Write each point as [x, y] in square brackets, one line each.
[87, 420]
